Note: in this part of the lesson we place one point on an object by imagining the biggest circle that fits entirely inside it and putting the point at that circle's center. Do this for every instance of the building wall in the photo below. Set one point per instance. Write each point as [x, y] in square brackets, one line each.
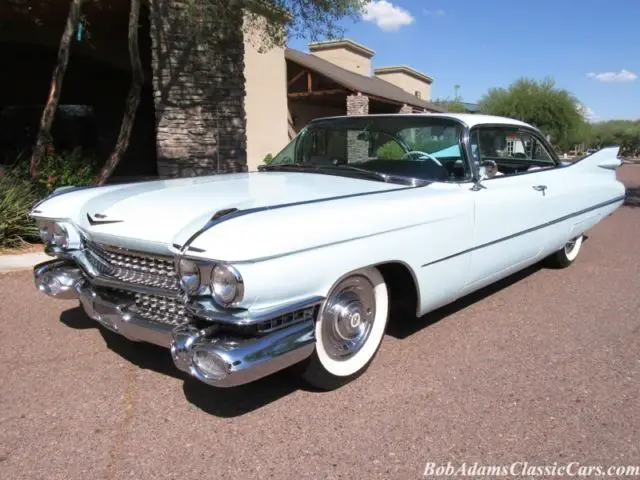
[199, 94]
[407, 83]
[346, 59]
[265, 102]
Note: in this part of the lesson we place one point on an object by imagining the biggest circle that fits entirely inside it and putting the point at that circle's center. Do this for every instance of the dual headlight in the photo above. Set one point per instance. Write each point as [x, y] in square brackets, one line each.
[223, 281]
[59, 234]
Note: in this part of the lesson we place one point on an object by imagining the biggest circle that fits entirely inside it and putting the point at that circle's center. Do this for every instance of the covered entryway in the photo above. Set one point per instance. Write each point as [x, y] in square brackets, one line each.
[319, 88]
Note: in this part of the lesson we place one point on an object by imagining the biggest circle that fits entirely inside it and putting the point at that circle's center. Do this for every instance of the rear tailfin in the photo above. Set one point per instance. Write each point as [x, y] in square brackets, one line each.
[606, 158]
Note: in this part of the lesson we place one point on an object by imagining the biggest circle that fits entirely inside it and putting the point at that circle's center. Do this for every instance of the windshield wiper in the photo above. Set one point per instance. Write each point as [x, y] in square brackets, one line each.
[368, 173]
[314, 167]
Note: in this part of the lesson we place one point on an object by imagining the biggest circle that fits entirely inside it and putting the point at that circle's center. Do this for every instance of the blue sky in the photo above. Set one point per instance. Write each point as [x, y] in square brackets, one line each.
[590, 47]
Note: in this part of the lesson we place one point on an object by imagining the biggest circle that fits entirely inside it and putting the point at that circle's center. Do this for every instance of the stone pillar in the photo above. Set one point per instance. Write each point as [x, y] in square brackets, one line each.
[406, 109]
[199, 94]
[357, 150]
[357, 104]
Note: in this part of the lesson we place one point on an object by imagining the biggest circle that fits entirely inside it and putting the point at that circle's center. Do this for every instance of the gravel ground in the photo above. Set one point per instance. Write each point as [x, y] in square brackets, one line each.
[543, 367]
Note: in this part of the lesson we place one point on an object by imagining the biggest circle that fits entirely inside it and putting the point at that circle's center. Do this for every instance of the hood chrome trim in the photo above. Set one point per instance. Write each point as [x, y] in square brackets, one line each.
[240, 213]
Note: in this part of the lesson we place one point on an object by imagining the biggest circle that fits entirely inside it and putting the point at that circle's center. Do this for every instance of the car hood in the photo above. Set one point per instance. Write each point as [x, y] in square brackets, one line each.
[155, 215]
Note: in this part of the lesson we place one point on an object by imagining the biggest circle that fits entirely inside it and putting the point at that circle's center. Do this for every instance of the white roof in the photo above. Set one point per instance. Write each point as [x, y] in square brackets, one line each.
[469, 119]
[473, 119]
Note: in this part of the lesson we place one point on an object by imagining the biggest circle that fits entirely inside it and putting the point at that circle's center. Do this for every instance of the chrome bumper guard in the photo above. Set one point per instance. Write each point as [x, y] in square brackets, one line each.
[212, 357]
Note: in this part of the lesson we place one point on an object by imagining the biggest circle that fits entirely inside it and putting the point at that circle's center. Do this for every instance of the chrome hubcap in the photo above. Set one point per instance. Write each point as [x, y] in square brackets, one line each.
[348, 317]
[570, 245]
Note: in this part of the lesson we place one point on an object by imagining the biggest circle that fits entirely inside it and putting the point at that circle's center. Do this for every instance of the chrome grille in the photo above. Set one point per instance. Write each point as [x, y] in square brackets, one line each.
[286, 319]
[133, 267]
[166, 310]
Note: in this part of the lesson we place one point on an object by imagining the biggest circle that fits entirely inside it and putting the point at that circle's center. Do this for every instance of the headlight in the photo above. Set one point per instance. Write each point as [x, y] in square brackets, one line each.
[59, 234]
[226, 285]
[46, 231]
[189, 275]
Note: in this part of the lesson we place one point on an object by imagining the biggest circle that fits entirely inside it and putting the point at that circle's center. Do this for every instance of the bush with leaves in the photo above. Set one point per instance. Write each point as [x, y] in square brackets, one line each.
[17, 197]
[59, 170]
[268, 159]
[555, 111]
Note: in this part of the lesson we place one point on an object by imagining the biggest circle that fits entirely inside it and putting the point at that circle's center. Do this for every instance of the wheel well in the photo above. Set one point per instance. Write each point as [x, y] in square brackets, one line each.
[402, 288]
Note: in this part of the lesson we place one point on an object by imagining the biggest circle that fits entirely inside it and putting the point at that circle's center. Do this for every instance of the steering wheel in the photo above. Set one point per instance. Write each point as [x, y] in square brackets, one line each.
[422, 154]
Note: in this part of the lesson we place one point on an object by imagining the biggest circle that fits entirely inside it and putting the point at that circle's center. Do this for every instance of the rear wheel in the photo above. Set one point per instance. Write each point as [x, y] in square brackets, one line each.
[349, 330]
[567, 254]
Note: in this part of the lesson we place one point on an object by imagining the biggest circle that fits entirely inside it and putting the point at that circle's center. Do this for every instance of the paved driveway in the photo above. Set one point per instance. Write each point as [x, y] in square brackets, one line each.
[544, 368]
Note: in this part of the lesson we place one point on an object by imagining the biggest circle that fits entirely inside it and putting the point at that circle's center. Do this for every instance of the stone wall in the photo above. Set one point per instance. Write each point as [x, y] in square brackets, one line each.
[357, 105]
[199, 93]
[357, 149]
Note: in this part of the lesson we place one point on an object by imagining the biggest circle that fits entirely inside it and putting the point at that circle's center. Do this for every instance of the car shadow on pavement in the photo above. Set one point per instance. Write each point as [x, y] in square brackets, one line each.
[402, 327]
[221, 402]
[232, 402]
[632, 197]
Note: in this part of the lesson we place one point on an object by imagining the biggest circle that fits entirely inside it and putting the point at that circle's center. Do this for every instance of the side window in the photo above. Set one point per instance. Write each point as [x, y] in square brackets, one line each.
[509, 151]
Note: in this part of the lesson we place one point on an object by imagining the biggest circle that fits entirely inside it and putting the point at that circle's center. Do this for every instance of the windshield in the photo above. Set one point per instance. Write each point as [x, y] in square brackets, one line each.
[421, 147]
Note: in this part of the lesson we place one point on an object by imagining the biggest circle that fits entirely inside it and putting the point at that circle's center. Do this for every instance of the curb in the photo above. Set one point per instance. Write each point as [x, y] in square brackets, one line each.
[13, 263]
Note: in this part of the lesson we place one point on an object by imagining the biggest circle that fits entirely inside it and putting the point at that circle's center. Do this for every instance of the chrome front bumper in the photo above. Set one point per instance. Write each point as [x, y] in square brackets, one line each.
[218, 359]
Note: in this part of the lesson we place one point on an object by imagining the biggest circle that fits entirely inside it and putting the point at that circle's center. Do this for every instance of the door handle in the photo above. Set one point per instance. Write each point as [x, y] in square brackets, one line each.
[540, 188]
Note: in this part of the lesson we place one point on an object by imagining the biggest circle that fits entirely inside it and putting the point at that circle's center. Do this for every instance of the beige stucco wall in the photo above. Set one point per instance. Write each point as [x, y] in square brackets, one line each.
[407, 83]
[346, 59]
[265, 101]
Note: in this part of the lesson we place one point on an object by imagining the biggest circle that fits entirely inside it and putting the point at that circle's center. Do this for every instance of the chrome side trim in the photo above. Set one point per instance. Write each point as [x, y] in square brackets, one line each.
[529, 230]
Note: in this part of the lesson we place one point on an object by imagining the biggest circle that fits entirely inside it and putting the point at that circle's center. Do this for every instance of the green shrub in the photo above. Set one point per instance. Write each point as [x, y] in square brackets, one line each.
[17, 197]
[59, 170]
[390, 151]
[268, 158]
[393, 151]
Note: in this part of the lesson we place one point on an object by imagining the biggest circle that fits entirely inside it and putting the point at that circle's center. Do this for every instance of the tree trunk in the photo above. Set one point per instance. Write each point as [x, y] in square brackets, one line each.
[133, 97]
[44, 132]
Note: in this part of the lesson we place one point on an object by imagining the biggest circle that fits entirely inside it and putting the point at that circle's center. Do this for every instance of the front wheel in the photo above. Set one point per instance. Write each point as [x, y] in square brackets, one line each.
[349, 330]
[567, 254]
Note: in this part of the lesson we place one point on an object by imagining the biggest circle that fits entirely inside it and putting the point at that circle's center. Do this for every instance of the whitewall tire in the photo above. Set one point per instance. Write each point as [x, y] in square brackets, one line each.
[349, 329]
[567, 254]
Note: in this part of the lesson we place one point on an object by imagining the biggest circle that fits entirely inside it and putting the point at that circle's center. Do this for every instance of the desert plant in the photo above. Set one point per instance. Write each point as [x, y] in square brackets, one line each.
[59, 170]
[268, 158]
[17, 197]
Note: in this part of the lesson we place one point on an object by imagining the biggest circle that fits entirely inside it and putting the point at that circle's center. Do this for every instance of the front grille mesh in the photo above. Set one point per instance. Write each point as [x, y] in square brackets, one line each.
[165, 310]
[286, 319]
[132, 267]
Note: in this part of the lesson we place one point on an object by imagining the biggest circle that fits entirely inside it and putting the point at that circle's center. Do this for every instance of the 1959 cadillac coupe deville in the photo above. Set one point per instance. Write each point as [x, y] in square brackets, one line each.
[299, 264]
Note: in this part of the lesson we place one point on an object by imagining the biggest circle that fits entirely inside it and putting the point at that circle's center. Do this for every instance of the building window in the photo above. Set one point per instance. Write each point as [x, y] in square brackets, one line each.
[418, 94]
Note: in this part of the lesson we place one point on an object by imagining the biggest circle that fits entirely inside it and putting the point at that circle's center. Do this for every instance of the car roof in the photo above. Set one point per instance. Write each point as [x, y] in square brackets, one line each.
[469, 119]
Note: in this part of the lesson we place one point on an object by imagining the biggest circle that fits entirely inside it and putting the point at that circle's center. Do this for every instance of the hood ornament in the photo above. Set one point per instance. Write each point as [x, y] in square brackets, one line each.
[93, 222]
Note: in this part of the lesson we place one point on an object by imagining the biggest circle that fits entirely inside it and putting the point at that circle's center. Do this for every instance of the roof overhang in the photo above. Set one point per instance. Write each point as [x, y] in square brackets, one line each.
[407, 70]
[343, 43]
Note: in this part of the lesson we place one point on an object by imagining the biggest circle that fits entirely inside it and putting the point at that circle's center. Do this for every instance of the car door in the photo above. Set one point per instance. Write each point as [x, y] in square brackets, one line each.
[512, 205]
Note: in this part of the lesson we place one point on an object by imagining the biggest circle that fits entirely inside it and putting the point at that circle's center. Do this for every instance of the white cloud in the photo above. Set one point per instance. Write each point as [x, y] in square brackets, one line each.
[386, 15]
[435, 13]
[622, 76]
[588, 114]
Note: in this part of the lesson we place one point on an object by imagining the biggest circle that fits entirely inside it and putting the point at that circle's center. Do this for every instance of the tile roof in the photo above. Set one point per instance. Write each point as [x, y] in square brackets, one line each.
[358, 83]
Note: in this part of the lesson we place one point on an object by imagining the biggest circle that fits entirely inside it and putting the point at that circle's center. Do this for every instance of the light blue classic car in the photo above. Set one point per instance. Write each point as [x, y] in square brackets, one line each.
[300, 264]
